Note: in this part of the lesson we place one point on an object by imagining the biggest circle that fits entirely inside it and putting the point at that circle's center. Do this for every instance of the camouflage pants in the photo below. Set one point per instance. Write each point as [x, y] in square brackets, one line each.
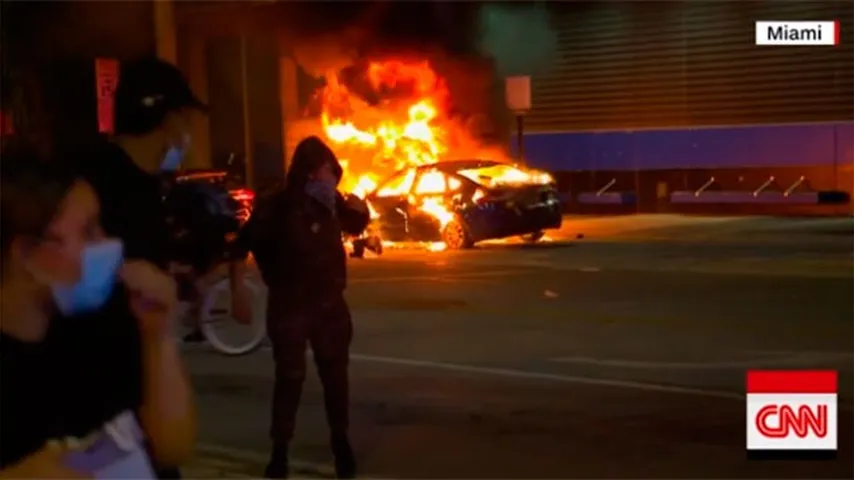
[327, 327]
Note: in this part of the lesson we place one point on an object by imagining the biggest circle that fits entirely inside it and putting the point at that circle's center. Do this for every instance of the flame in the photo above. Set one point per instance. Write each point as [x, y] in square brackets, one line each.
[377, 140]
[407, 123]
[434, 207]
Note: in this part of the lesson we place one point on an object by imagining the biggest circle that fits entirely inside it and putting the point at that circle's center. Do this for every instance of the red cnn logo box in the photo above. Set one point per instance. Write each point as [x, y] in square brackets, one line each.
[792, 410]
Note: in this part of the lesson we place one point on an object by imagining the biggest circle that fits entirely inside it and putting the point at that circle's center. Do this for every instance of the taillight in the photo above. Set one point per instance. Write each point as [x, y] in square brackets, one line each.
[243, 195]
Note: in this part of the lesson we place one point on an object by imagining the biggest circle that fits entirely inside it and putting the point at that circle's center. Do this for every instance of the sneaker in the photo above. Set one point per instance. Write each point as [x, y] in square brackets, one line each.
[345, 460]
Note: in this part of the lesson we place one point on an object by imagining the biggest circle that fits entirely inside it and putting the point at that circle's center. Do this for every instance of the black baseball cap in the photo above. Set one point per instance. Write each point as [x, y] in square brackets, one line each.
[148, 90]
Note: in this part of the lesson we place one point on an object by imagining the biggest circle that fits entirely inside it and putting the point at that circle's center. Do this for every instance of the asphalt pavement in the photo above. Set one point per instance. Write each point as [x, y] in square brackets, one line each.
[618, 349]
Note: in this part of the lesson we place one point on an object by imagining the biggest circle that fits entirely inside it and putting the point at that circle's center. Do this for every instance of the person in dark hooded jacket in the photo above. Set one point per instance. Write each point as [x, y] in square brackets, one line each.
[304, 266]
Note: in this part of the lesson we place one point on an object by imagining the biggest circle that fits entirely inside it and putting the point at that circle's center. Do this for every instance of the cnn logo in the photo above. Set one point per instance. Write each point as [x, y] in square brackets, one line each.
[780, 421]
[791, 411]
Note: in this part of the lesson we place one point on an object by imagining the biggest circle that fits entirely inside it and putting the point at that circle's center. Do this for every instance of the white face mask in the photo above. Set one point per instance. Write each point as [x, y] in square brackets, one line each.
[175, 155]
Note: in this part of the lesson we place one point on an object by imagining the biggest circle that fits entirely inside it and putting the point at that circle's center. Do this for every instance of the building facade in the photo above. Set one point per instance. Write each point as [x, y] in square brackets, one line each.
[654, 97]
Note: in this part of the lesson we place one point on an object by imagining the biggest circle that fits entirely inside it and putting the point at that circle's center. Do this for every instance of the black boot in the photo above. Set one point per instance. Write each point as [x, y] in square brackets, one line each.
[278, 466]
[345, 461]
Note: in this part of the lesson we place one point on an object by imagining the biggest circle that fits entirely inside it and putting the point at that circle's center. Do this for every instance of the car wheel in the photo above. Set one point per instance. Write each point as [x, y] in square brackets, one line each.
[534, 237]
[456, 236]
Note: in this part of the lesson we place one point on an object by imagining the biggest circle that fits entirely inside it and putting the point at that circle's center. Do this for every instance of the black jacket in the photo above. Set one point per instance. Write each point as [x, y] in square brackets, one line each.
[297, 241]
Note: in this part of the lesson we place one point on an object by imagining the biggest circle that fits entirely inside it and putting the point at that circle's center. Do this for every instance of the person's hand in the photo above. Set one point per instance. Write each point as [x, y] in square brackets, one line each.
[45, 463]
[153, 297]
[355, 203]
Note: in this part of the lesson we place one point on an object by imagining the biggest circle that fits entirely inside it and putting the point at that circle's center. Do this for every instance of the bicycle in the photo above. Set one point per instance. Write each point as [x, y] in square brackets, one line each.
[219, 327]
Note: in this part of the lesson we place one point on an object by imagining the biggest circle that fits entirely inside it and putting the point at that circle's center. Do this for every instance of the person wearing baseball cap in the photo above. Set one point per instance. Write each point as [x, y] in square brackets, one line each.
[153, 110]
[154, 107]
[153, 113]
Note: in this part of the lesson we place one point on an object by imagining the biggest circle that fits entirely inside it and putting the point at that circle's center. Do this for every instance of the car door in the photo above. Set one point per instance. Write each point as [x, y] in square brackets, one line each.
[431, 208]
[391, 202]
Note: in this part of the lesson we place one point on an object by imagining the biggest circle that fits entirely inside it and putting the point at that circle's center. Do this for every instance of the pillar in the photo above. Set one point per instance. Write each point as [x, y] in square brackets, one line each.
[192, 63]
[289, 100]
[194, 66]
[164, 30]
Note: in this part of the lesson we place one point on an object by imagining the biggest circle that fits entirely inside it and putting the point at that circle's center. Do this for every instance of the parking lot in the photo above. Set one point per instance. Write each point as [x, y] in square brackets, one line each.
[618, 349]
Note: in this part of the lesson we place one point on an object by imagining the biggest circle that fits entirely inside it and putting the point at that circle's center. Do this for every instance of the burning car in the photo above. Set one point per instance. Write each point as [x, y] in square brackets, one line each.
[403, 139]
[462, 202]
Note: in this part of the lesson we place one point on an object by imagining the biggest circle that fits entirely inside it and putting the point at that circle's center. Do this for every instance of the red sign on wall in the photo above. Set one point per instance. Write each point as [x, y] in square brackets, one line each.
[6, 125]
[106, 79]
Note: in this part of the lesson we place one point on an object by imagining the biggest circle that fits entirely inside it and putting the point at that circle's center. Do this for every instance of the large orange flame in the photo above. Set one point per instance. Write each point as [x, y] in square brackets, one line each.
[376, 140]
[407, 123]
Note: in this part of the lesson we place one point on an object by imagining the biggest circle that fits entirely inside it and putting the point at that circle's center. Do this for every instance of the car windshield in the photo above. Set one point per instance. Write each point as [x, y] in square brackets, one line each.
[504, 174]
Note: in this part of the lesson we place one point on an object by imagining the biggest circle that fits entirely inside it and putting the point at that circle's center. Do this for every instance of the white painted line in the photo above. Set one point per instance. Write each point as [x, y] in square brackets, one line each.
[528, 375]
[438, 276]
[259, 457]
[797, 359]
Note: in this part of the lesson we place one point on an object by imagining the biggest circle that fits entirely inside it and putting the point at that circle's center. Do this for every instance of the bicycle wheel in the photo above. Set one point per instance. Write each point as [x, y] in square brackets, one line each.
[221, 330]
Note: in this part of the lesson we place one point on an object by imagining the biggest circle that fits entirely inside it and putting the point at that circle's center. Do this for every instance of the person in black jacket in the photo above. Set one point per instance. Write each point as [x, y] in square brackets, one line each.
[154, 111]
[154, 107]
[300, 252]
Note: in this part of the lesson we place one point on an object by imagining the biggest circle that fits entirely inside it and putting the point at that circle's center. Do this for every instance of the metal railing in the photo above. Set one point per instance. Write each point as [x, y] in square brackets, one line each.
[704, 187]
[763, 186]
[604, 189]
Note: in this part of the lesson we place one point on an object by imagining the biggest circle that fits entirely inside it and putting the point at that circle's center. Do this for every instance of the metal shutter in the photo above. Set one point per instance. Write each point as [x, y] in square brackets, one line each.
[627, 65]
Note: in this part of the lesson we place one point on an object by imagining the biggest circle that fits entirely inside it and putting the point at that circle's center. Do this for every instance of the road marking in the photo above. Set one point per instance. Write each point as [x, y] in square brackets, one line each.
[261, 458]
[529, 375]
[439, 276]
[797, 359]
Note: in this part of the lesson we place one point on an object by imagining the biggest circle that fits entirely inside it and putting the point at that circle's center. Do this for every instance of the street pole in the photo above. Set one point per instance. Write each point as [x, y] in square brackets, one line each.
[517, 91]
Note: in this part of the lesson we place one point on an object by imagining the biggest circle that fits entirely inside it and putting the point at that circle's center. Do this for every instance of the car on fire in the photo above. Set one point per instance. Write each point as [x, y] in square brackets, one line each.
[462, 202]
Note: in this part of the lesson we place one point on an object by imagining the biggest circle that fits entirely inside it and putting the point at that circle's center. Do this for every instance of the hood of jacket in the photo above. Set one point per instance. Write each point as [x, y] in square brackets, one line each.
[310, 154]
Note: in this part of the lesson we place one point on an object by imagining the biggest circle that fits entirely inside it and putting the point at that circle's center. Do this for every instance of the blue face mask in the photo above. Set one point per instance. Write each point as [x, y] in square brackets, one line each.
[323, 191]
[100, 264]
[175, 155]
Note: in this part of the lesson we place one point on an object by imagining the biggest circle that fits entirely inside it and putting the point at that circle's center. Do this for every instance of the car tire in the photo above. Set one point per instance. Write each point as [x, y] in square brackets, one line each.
[456, 236]
[534, 237]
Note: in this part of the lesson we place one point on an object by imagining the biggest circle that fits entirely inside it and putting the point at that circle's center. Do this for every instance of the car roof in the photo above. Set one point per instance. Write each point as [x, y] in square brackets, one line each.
[449, 166]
